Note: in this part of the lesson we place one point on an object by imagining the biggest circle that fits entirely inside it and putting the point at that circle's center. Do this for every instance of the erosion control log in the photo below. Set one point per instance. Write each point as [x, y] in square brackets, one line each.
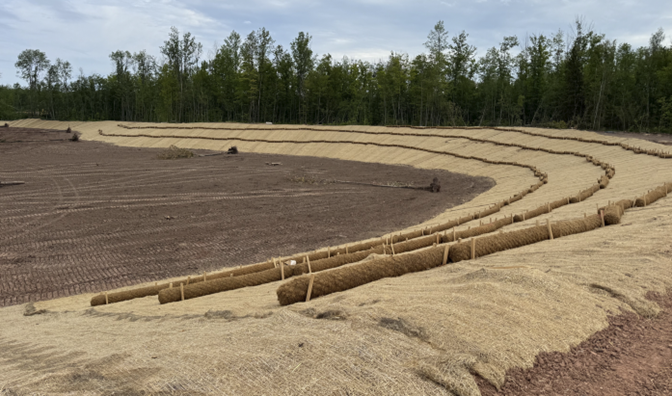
[154, 290]
[653, 195]
[514, 239]
[127, 295]
[585, 194]
[613, 212]
[222, 284]
[260, 278]
[349, 277]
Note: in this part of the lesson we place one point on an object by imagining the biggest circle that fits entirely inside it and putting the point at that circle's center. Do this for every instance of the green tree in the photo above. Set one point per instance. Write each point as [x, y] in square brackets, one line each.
[31, 65]
[302, 55]
[181, 57]
[574, 99]
[461, 70]
[226, 69]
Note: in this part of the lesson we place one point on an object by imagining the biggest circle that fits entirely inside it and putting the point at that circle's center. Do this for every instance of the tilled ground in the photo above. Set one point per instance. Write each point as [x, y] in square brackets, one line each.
[94, 217]
[633, 356]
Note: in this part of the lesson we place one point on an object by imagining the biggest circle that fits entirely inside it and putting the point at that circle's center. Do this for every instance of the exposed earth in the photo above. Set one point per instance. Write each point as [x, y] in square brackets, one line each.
[633, 356]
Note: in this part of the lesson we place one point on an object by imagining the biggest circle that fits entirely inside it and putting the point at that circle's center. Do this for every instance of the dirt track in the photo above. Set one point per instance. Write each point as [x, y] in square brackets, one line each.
[630, 357]
[94, 217]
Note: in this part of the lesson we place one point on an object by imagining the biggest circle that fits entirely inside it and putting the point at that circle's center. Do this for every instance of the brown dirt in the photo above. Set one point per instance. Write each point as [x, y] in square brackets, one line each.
[94, 217]
[633, 356]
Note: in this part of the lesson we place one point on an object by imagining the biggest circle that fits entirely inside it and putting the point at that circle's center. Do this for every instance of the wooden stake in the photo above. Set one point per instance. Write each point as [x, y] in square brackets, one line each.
[454, 236]
[550, 229]
[106, 300]
[473, 248]
[445, 255]
[328, 251]
[392, 246]
[188, 279]
[171, 284]
[602, 217]
[437, 238]
[205, 278]
[310, 270]
[310, 287]
[282, 270]
[346, 249]
[182, 290]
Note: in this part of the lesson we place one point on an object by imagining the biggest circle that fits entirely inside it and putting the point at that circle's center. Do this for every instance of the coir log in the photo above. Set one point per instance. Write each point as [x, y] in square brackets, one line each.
[260, 278]
[350, 277]
[514, 239]
[653, 195]
[154, 290]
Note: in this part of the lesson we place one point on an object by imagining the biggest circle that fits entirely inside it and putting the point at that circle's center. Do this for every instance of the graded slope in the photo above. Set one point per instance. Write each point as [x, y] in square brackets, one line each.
[422, 333]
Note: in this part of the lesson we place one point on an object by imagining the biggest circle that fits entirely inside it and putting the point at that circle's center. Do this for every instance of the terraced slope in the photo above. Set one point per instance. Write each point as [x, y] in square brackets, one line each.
[423, 333]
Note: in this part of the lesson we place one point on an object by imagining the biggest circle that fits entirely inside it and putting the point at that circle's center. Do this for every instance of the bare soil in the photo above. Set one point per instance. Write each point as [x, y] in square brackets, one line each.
[633, 356]
[94, 217]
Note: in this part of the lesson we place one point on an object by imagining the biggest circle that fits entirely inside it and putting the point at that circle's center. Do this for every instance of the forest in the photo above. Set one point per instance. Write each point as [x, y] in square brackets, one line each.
[579, 79]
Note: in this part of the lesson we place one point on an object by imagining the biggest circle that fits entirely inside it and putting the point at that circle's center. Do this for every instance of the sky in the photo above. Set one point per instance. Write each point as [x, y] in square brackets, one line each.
[85, 32]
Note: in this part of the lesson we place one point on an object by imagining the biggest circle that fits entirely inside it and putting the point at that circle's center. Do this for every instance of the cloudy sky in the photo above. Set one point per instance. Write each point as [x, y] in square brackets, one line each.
[85, 32]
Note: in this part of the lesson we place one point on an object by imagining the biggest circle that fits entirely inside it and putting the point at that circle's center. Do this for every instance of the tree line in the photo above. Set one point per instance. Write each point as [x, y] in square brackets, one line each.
[580, 80]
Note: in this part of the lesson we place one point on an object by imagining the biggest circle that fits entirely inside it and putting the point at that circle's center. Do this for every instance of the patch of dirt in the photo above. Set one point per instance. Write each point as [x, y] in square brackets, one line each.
[94, 217]
[633, 356]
